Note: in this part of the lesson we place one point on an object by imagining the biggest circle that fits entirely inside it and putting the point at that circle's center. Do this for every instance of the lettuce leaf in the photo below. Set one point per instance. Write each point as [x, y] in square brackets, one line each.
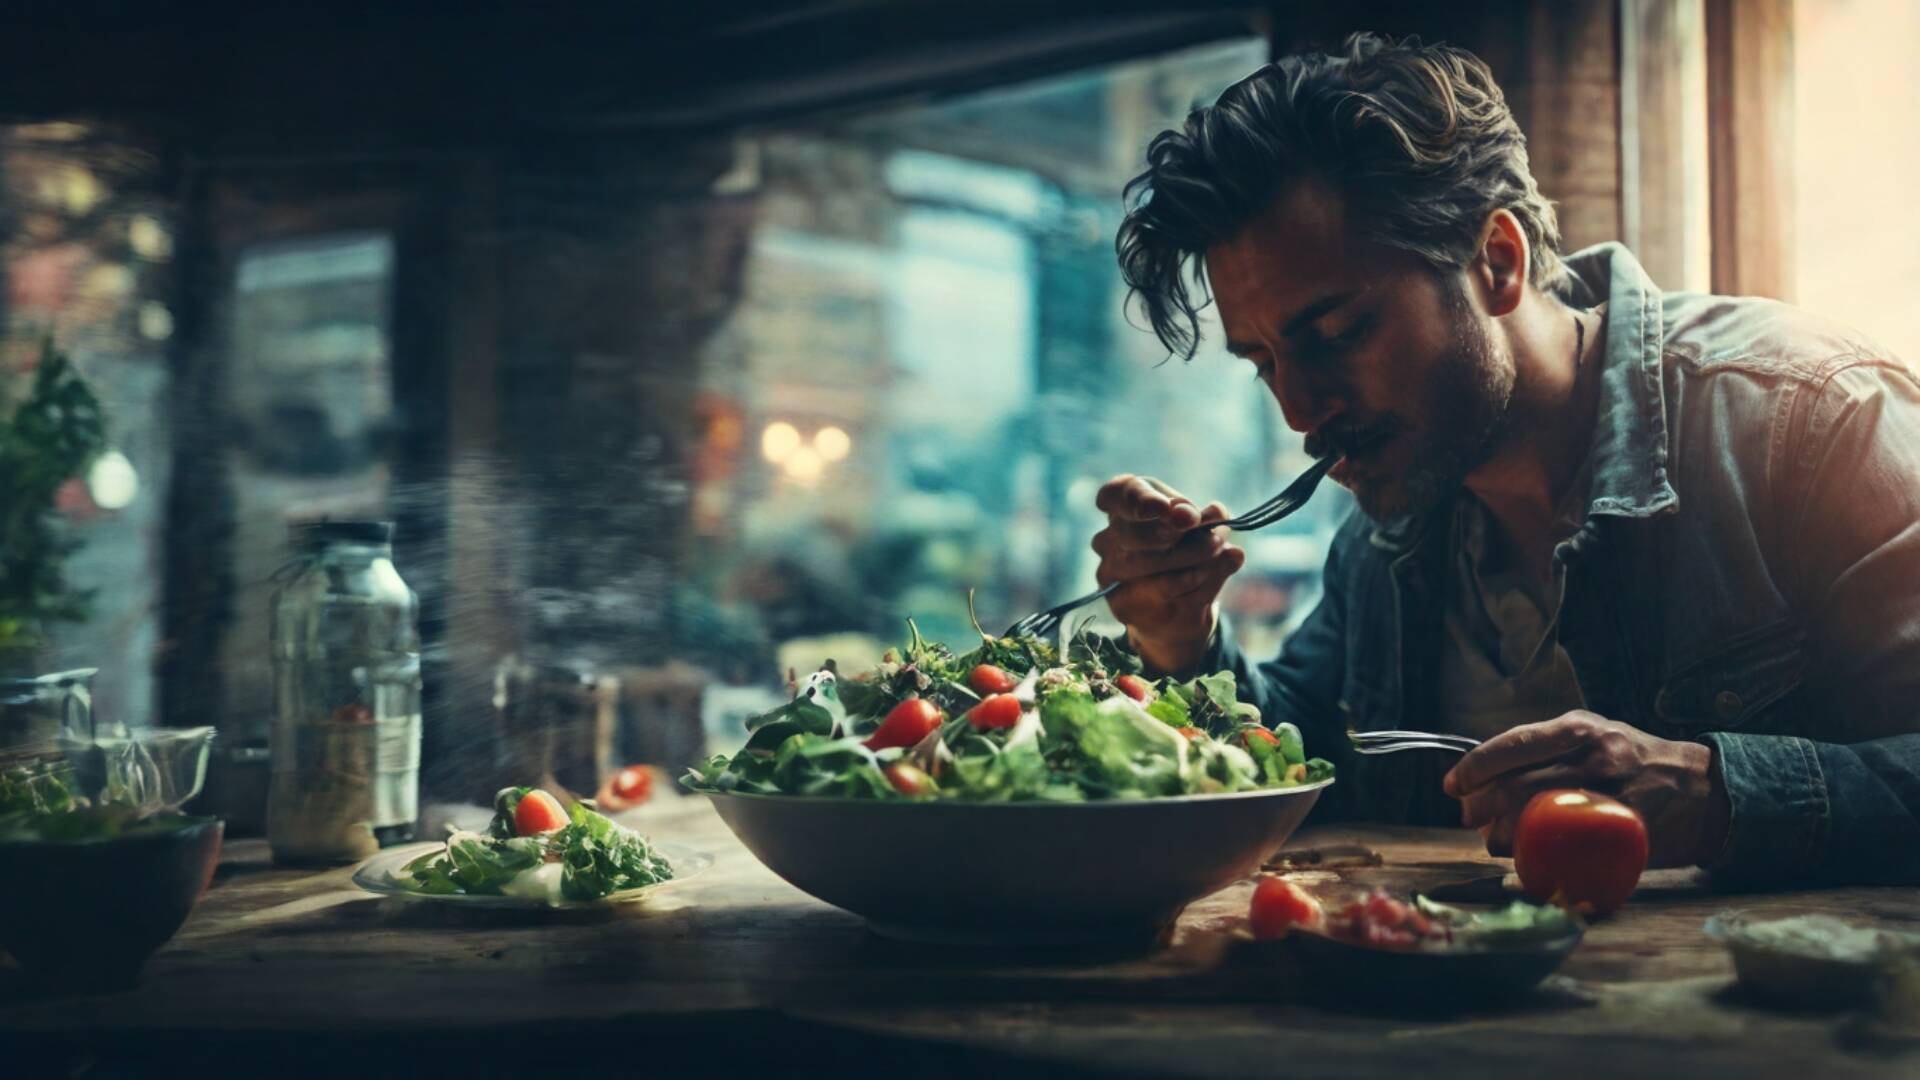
[598, 857]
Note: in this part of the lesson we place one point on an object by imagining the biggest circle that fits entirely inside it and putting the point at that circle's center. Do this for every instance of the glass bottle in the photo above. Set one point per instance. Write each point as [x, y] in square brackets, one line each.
[345, 740]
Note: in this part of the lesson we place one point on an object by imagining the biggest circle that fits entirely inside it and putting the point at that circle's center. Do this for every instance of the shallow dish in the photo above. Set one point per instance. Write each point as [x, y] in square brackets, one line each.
[1446, 979]
[1016, 873]
[376, 875]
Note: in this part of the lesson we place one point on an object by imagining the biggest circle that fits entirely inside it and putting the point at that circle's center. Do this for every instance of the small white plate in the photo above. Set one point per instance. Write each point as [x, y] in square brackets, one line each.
[376, 875]
[1800, 976]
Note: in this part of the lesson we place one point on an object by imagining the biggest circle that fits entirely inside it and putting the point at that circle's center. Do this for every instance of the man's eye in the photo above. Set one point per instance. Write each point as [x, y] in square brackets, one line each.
[1328, 349]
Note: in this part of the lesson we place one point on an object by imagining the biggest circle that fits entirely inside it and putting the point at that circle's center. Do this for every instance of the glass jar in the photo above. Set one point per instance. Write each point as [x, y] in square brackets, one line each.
[345, 740]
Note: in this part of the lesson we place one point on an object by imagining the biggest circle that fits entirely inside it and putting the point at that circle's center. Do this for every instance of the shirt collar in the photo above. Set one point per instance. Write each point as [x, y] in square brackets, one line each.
[1629, 454]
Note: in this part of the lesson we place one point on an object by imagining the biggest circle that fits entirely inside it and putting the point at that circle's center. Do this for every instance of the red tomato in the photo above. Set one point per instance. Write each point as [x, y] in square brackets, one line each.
[909, 779]
[1279, 906]
[998, 711]
[1384, 909]
[987, 679]
[1383, 921]
[1135, 687]
[1248, 735]
[538, 813]
[909, 722]
[1191, 733]
[1580, 850]
[634, 783]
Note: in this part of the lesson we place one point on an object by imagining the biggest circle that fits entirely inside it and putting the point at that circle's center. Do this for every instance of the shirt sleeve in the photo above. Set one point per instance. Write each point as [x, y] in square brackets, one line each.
[1843, 806]
[1302, 685]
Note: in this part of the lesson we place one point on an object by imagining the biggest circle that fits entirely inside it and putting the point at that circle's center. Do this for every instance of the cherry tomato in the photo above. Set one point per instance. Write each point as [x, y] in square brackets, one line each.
[909, 722]
[1279, 906]
[987, 679]
[1135, 687]
[1580, 850]
[538, 813]
[998, 711]
[909, 779]
[1191, 733]
[633, 783]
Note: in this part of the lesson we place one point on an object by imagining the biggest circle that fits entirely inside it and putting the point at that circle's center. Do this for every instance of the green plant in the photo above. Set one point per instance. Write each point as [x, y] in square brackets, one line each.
[55, 431]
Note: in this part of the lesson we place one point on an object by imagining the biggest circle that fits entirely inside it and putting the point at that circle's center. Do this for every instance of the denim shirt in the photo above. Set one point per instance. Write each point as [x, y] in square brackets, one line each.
[1747, 575]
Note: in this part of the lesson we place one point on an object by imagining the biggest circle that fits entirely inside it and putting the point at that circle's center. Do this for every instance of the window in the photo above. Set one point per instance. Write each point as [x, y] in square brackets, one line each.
[308, 408]
[1857, 147]
[929, 375]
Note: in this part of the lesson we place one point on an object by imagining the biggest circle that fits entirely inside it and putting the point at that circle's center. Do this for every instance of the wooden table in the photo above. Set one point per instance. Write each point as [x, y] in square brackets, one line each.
[284, 972]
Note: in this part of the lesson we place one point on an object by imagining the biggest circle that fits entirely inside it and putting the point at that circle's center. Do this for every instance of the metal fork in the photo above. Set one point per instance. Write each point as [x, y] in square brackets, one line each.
[1043, 623]
[1392, 742]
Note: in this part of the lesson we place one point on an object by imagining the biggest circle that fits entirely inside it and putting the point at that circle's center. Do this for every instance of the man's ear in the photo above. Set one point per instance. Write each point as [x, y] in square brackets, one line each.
[1499, 269]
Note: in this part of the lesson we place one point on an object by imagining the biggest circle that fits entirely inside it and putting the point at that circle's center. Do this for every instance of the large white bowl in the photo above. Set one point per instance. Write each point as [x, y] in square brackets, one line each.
[1034, 873]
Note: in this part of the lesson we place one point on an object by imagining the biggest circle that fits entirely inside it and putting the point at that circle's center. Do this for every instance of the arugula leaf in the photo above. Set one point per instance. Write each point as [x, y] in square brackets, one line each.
[815, 765]
[598, 857]
[796, 717]
[483, 865]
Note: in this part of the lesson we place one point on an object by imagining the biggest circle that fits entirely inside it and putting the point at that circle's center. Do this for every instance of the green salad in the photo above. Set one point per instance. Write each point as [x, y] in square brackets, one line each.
[37, 787]
[1011, 720]
[535, 850]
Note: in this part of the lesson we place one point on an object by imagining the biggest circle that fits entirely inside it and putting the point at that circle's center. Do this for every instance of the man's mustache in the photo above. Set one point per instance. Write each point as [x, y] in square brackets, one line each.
[1350, 440]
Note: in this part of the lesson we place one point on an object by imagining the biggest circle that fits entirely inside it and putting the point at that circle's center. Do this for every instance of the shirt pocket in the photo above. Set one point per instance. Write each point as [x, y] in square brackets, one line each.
[1736, 685]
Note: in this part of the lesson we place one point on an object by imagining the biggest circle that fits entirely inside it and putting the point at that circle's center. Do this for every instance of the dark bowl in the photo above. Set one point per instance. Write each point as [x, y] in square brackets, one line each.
[1430, 980]
[86, 914]
[1017, 873]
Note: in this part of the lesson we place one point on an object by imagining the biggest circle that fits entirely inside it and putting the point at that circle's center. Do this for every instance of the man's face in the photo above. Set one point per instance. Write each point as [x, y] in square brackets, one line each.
[1368, 351]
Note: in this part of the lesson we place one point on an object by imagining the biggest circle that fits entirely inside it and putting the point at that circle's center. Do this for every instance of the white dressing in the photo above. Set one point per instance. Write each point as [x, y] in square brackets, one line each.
[540, 883]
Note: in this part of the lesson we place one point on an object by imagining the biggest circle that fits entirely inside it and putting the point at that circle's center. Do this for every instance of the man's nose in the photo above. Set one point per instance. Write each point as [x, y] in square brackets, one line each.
[1303, 402]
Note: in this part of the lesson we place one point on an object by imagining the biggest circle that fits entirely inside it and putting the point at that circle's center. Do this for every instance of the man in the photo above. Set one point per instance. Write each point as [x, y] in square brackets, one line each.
[1661, 546]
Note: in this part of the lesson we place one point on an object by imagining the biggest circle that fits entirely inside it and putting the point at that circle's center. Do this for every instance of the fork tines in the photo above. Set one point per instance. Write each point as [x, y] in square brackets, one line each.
[1387, 742]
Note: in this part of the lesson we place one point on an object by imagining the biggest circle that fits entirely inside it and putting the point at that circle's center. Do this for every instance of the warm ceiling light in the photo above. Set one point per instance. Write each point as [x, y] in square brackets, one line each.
[149, 238]
[779, 441]
[804, 465]
[112, 482]
[832, 443]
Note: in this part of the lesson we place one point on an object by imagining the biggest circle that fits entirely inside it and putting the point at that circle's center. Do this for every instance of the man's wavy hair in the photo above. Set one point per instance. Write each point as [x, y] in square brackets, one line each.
[1417, 138]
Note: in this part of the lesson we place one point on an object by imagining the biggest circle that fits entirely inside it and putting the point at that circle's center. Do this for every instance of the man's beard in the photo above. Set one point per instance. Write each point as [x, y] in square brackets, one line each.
[1470, 392]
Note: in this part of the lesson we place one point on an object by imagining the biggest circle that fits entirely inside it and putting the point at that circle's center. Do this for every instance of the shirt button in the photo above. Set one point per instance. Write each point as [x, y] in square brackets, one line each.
[1727, 704]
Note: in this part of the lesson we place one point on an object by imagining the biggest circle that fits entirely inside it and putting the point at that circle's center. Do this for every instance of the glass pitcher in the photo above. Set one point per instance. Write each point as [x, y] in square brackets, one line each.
[53, 748]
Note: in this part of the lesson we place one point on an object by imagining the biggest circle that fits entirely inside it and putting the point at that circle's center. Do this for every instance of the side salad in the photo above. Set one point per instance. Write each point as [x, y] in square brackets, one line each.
[534, 849]
[1377, 919]
[40, 802]
[1014, 719]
